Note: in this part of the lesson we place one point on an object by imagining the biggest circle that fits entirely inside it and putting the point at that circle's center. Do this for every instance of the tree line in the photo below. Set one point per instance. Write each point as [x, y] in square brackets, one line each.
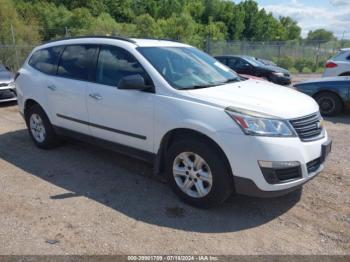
[191, 21]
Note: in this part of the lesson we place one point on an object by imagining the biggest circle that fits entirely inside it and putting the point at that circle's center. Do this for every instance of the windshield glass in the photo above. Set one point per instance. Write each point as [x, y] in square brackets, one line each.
[254, 61]
[187, 67]
[2, 68]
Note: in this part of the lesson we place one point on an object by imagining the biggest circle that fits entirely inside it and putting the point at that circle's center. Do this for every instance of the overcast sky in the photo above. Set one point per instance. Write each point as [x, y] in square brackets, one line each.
[333, 15]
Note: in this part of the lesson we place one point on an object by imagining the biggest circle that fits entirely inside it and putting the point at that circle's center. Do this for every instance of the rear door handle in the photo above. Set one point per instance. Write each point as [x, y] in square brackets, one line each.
[95, 96]
[52, 87]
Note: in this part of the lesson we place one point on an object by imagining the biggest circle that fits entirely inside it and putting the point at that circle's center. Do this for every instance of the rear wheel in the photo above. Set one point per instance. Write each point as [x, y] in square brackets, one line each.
[40, 128]
[330, 104]
[197, 173]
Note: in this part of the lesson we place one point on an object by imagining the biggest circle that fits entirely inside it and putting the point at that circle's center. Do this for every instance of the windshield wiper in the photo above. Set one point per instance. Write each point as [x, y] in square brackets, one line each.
[231, 80]
[198, 86]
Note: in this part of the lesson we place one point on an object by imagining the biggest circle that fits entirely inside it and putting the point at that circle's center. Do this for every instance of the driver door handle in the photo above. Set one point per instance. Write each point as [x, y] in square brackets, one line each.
[95, 96]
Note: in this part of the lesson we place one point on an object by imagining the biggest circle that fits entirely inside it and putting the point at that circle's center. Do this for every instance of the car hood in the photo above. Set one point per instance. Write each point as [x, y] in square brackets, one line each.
[5, 77]
[260, 96]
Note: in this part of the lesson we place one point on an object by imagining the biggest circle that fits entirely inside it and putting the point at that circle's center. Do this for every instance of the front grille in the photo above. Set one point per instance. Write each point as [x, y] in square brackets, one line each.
[313, 165]
[308, 127]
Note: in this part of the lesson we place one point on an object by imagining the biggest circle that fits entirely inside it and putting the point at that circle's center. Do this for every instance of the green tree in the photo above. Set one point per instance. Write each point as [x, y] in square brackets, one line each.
[81, 21]
[321, 35]
[104, 24]
[120, 10]
[291, 27]
[147, 26]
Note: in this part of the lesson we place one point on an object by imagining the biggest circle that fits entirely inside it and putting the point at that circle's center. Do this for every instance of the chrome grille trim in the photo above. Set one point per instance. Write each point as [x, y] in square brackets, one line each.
[308, 127]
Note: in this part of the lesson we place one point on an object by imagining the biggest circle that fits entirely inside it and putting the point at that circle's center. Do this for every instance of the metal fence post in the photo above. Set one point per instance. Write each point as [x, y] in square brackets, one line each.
[207, 46]
[318, 53]
[14, 45]
[279, 51]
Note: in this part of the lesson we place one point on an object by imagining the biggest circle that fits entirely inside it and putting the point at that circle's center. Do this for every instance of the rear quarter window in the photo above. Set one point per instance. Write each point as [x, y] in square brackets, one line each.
[46, 60]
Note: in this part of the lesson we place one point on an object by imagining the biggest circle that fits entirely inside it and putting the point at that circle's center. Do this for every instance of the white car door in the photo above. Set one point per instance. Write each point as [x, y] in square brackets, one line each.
[122, 116]
[67, 90]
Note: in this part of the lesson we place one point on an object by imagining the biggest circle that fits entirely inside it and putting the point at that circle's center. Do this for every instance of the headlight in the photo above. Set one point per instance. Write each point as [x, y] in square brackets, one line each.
[277, 73]
[258, 124]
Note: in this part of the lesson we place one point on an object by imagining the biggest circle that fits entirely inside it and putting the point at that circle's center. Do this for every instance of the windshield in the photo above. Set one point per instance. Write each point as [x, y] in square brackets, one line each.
[187, 67]
[254, 61]
[2, 68]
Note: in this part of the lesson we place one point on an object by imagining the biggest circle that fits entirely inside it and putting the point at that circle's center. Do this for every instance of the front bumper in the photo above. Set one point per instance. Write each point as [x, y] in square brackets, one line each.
[280, 80]
[244, 152]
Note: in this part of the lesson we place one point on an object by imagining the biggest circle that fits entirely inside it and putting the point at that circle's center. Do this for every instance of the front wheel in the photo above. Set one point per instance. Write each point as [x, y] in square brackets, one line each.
[198, 174]
[329, 103]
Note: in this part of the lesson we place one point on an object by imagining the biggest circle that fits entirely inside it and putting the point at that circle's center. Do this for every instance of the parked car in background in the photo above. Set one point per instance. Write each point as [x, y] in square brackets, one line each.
[251, 66]
[338, 65]
[252, 77]
[331, 93]
[7, 85]
[209, 131]
[266, 62]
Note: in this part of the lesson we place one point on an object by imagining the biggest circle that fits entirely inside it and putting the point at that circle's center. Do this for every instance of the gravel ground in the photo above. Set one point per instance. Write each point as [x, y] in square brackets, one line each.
[80, 199]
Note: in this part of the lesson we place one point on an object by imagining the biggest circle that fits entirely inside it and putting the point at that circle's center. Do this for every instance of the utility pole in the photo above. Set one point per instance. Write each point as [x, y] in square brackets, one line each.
[342, 40]
[14, 45]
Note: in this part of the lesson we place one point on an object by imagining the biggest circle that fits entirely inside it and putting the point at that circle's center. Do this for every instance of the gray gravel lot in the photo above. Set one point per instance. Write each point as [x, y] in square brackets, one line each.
[81, 199]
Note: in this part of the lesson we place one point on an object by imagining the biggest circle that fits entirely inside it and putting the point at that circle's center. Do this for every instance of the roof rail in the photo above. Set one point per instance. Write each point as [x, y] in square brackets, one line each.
[93, 36]
[160, 39]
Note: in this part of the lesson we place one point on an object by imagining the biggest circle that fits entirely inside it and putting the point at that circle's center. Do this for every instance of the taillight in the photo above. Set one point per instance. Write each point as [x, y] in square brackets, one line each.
[331, 65]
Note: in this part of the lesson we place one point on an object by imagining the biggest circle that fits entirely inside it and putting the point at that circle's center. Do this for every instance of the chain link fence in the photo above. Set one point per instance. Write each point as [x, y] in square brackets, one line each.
[290, 54]
[295, 55]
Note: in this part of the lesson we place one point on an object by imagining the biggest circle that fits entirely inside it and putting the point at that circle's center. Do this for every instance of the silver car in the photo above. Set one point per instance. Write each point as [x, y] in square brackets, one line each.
[338, 65]
[7, 85]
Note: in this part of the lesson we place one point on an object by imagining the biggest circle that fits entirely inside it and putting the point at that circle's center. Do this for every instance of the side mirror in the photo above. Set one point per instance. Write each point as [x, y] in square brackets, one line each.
[132, 82]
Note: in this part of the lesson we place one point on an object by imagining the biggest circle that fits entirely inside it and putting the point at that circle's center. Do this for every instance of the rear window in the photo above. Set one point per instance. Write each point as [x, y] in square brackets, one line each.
[46, 60]
[77, 62]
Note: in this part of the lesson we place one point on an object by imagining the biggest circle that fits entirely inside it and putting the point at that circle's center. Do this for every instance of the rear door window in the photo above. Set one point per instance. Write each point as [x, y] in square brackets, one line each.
[77, 62]
[46, 60]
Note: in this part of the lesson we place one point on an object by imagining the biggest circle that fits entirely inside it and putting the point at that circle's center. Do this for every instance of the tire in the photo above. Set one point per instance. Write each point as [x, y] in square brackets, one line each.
[330, 104]
[214, 166]
[40, 128]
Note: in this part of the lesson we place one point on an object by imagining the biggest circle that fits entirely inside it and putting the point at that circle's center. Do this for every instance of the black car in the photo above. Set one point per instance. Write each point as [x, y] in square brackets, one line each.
[331, 93]
[7, 85]
[249, 65]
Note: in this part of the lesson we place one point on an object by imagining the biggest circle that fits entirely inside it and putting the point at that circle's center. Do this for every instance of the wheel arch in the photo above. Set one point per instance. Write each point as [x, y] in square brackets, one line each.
[28, 104]
[180, 133]
[345, 73]
[328, 91]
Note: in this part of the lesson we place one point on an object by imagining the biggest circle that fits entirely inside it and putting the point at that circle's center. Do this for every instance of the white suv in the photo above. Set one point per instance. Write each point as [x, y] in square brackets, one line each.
[338, 65]
[209, 131]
